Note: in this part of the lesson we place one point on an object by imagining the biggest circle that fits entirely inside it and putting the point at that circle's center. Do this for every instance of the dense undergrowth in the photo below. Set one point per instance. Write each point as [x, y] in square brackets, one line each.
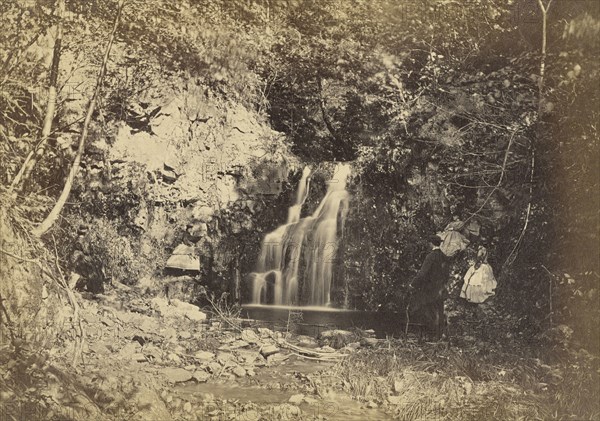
[472, 378]
[443, 109]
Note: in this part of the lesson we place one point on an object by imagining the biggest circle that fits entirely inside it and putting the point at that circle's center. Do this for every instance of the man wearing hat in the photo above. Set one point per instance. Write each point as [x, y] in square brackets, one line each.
[428, 288]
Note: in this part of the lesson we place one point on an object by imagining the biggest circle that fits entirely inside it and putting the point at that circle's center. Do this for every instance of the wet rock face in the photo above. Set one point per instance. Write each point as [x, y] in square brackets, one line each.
[194, 177]
[201, 150]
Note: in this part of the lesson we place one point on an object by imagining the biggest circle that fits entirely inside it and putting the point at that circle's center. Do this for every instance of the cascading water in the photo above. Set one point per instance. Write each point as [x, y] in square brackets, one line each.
[303, 248]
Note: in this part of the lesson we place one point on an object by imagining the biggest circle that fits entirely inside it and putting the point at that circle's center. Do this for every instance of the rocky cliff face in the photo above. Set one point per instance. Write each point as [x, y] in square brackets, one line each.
[180, 161]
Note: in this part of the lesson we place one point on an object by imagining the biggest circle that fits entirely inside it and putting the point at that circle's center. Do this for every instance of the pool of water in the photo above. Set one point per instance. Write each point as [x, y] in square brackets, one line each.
[313, 320]
[334, 406]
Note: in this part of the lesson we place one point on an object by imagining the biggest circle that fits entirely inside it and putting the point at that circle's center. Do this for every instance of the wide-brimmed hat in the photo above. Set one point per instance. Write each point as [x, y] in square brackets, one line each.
[434, 239]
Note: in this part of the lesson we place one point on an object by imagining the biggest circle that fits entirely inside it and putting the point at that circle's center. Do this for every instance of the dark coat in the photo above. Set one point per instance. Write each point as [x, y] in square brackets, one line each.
[430, 281]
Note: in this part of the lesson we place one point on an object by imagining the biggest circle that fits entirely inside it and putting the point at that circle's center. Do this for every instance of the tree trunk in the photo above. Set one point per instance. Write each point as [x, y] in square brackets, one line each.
[322, 105]
[544, 10]
[29, 163]
[53, 215]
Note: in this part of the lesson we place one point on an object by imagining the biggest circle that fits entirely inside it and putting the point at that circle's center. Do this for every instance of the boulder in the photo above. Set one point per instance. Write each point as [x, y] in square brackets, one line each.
[247, 357]
[183, 258]
[239, 371]
[214, 367]
[204, 356]
[248, 335]
[276, 358]
[174, 357]
[177, 375]
[177, 309]
[296, 399]
[189, 311]
[203, 213]
[129, 350]
[153, 352]
[264, 332]
[151, 407]
[198, 230]
[225, 357]
[286, 411]
[394, 400]
[328, 334]
[369, 342]
[267, 350]
[201, 376]
[139, 357]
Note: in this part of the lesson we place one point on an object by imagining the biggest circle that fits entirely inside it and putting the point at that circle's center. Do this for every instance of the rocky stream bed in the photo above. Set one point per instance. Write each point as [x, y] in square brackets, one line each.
[145, 357]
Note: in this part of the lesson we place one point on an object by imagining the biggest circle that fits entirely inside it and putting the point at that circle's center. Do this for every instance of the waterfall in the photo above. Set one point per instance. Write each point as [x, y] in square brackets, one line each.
[303, 250]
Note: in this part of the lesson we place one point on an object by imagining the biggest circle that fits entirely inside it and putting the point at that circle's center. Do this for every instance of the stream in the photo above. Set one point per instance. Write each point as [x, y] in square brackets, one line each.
[334, 405]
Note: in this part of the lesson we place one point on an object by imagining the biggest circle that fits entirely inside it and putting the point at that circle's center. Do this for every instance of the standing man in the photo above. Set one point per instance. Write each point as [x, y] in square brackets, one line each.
[428, 288]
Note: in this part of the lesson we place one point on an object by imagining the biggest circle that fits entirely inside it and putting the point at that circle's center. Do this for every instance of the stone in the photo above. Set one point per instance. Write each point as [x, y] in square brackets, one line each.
[169, 332]
[183, 262]
[286, 411]
[203, 213]
[139, 357]
[177, 375]
[397, 386]
[241, 120]
[174, 357]
[372, 405]
[296, 399]
[239, 371]
[198, 230]
[171, 163]
[148, 325]
[276, 358]
[129, 349]
[247, 357]
[204, 356]
[369, 341]
[189, 311]
[327, 349]
[187, 407]
[353, 345]
[238, 344]
[327, 334]
[307, 342]
[201, 376]
[158, 304]
[394, 400]
[310, 401]
[224, 357]
[168, 176]
[264, 332]
[250, 336]
[214, 367]
[185, 334]
[151, 407]
[267, 350]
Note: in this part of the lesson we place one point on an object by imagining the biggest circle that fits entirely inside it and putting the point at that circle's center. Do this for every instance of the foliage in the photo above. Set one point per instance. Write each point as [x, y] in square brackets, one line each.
[473, 380]
[104, 251]
[439, 106]
[437, 103]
